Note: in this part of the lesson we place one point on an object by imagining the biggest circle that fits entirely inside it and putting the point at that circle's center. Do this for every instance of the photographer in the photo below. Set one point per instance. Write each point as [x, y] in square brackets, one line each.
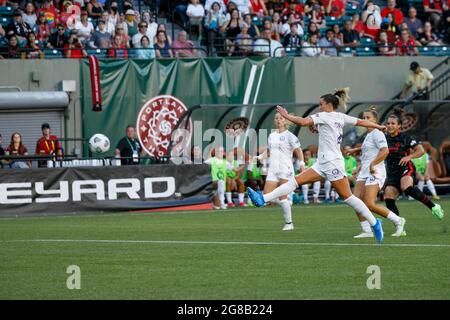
[74, 49]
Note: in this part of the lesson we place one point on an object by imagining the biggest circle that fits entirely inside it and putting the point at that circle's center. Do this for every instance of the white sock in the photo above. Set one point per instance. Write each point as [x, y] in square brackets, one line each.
[361, 209]
[305, 188]
[327, 187]
[229, 200]
[287, 214]
[393, 217]
[282, 190]
[241, 197]
[431, 187]
[316, 189]
[365, 225]
[221, 191]
[420, 185]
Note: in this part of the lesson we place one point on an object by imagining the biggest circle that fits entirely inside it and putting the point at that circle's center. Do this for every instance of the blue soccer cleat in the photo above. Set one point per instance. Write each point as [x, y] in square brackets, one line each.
[256, 197]
[378, 230]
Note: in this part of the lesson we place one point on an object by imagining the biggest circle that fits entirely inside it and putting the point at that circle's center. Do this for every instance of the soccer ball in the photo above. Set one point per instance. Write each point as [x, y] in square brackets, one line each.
[99, 143]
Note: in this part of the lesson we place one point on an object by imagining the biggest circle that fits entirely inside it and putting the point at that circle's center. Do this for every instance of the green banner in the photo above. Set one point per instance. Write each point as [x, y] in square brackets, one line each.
[127, 84]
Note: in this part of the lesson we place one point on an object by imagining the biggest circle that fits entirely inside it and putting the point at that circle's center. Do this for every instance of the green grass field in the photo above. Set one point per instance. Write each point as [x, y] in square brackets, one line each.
[233, 254]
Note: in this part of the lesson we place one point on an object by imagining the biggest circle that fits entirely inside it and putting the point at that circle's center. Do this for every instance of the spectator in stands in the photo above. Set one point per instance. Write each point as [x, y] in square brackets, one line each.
[267, 25]
[259, 8]
[418, 80]
[415, 25]
[398, 15]
[143, 31]
[310, 48]
[329, 44]
[132, 26]
[114, 15]
[243, 44]
[50, 13]
[196, 13]
[334, 8]
[42, 28]
[32, 48]
[337, 32]
[101, 38]
[446, 24]
[66, 14]
[85, 28]
[357, 24]
[253, 30]
[109, 26]
[293, 6]
[316, 14]
[16, 148]
[243, 6]
[29, 16]
[392, 24]
[406, 46]
[313, 29]
[3, 42]
[232, 29]
[386, 47]
[286, 28]
[428, 37]
[162, 46]
[145, 51]
[183, 48]
[162, 27]
[14, 51]
[277, 26]
[19, 28]
[94, 9]
[181, 11]
[372, 9]
[370, 29]
[434, 9]
[125, 40]
[129, 148]
[210, 3]
[118, 50]
[48, 144]
[58, 39]
[294, 39]
[74, 48]
[392, 37]
[214, 21]
[350, 37]
[152, 26]
[269, 47]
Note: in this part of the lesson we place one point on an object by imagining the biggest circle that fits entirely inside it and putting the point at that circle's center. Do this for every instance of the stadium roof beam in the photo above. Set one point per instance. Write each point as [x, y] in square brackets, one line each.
[33, 100]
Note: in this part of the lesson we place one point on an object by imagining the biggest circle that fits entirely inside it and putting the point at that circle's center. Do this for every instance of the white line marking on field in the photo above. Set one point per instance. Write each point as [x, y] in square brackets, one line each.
[324, 244]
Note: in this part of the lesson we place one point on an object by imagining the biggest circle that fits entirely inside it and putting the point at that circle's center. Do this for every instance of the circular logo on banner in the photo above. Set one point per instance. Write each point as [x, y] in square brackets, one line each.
[156, 122]
[409, 121]
[236, 127]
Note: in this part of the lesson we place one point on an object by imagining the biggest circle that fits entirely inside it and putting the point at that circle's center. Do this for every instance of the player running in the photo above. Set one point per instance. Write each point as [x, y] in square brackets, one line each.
[330, 162]
[372, 176]
[281, 145]
[400, 169]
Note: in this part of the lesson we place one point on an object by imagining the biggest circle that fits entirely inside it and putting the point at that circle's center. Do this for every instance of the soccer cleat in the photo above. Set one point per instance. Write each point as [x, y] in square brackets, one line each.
[327, 201]
[223, 207]
[378, 230]
[231, 205]
[437, 211]
[436, 197]
[242, 204]
[364, 235]
[288, 227]
[400, 228]
[256, 197]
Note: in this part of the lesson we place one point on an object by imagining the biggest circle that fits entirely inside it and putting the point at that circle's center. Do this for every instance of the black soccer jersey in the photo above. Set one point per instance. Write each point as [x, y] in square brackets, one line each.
[399, 147]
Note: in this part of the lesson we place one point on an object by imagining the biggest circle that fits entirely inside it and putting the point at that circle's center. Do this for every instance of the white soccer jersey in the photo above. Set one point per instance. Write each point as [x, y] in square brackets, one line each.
[281, 147]
[330, 126]
[374, 141]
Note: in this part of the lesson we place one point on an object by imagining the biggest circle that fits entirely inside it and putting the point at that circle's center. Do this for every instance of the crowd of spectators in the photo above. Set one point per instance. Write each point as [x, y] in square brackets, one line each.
[226, 27]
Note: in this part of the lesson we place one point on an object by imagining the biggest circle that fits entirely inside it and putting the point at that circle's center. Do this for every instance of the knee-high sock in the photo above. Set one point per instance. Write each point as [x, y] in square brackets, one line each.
[390, 204]
[361, 209]
[221, 191]
[228, 195]
[431, 187]
[282, 190]
[241, 197]
[316, 189]
[327, 187]
[305, 188]
[365, 225]
[287, 214]
[419, 196]
[420, 185]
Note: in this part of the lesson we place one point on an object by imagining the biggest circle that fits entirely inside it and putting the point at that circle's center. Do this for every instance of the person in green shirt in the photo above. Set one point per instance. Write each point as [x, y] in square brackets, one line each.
[350, 165]
[219, 167]
[422, 175]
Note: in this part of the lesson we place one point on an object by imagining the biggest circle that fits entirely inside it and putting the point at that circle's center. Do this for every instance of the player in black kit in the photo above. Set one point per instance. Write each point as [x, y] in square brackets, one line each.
[400, 169]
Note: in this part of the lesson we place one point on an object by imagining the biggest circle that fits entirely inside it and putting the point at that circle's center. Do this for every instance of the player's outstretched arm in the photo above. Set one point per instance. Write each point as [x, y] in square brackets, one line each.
[370, 124]
[304, 122]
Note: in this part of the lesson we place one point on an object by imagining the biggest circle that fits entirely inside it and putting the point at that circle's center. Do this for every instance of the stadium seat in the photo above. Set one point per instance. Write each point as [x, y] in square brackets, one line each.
[330, 21]
[443, 51]
[99, 53]
[427, 51]
[53, 54]
[291, 52]
[6, 11]
[350, 9]
[365, 51]
[257, 21]
[4, 21]
[346, 52]
[368, 42]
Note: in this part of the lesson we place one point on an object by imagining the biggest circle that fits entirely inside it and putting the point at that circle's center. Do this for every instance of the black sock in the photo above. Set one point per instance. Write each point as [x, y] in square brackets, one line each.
[390, 204]
[419, 196]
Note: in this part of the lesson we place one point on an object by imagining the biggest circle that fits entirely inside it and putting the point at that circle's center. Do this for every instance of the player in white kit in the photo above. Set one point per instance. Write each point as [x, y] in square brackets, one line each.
[330, 162]
[372, 176]
[282, 144]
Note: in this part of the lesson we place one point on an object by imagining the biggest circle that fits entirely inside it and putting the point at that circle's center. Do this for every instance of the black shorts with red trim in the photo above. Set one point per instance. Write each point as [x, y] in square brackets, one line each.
[395, 175]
